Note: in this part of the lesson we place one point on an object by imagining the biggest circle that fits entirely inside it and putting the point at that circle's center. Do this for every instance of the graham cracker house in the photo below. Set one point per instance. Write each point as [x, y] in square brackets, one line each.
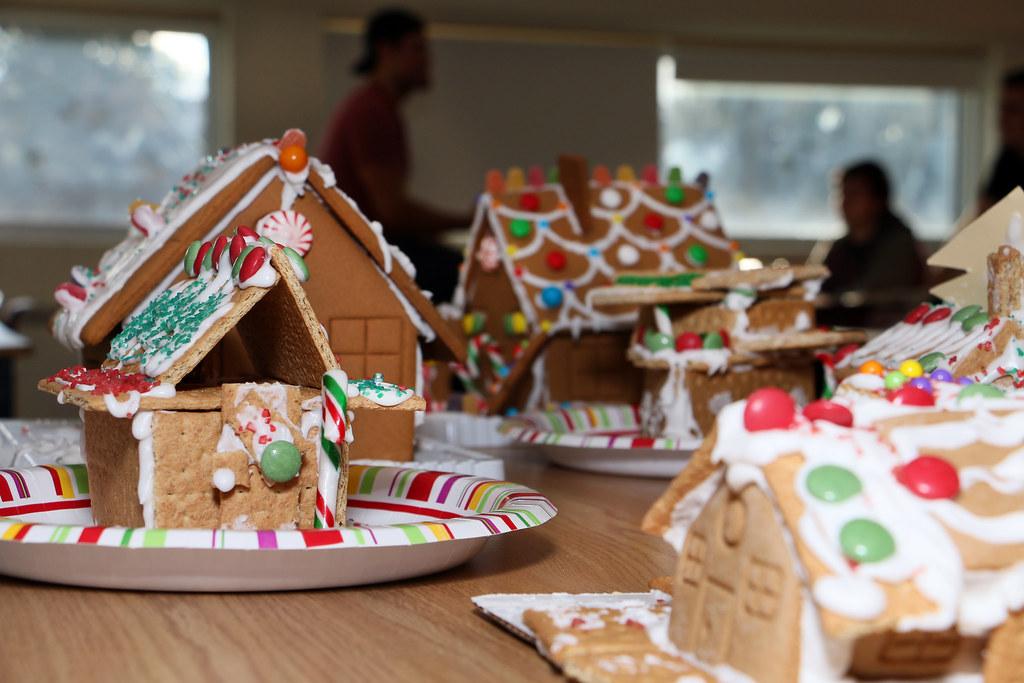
[361, 288]
[707, 338]
[245, 452]
[538, 247]
[876, 535]
[977, 331]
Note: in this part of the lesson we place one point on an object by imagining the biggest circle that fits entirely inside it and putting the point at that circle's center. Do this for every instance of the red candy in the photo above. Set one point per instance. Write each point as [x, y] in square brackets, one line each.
[917, 313]
[200, 255]
[830, 411]
[529, 202]
[769, 408]
[654, 221]
[688, 341]
[252, 263]
[908, 395]
[292, 137]
[236, 248]
[938, 314]
[246, 231]
[556, 260]
[104, 380]
[218, 248]
[726, 339]
[71, 288]
[929, 477]
[844, 352]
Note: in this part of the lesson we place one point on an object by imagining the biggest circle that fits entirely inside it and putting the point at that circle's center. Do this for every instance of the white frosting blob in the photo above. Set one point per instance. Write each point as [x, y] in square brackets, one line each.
[223, 479]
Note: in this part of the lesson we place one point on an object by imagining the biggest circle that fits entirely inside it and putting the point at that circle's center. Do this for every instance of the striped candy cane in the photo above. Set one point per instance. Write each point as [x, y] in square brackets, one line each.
[333, 435]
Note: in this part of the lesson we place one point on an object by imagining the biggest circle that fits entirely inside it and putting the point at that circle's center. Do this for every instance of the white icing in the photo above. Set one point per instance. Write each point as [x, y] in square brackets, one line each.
[142, 430]
[126, 408]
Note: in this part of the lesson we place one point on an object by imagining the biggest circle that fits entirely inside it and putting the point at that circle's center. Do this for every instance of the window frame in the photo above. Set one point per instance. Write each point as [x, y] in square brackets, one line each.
[219, 102]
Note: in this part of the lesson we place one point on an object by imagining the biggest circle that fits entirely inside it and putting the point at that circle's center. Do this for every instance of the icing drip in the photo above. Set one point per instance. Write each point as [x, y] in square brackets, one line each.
[142, 430]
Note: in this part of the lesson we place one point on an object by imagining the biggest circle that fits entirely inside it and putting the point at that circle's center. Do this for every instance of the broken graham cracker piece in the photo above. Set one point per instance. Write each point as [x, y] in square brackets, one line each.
[183, 497]
[606, 645]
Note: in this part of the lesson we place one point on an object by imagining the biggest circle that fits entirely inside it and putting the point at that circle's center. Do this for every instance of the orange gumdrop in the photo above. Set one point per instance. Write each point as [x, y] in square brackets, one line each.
[294, 158]
[872, 367]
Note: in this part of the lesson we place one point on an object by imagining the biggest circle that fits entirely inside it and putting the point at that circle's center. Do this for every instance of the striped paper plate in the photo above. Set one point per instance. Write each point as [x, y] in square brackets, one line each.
[599, 437]
[403, 523]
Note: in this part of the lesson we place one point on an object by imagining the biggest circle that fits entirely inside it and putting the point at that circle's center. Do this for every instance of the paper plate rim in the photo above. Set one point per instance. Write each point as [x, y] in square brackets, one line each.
[454, 507]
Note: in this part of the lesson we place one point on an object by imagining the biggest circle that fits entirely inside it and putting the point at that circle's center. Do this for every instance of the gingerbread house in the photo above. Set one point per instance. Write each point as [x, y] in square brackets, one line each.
[171, 442]
[874, 535]
[362, 289]
[977, 331]
[707, 338]
[538, 247]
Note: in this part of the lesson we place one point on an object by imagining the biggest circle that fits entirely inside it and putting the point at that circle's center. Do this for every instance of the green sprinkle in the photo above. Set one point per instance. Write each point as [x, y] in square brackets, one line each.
[677, 280]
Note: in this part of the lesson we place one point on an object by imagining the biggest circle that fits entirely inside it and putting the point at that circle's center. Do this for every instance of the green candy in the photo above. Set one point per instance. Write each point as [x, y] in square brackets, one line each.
[208, 259]
[520, 228]
[280, 461]
[189, 262]
[864, 540]
[832, 483]
[965, 313]
[674, 194]
[677, 280]
[895, 380]
[975, 320]
[298, 263]
[675, 175]
[552, 174]
[237, 265]
[698, 254]
[656, 341]
[983, 390]
[930, 361]
[713, 340]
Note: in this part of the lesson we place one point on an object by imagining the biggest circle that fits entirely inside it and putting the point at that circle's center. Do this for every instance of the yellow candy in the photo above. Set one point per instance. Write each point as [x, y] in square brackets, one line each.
[545, 325]
[872, 367]
[911, 368]
[473, 322]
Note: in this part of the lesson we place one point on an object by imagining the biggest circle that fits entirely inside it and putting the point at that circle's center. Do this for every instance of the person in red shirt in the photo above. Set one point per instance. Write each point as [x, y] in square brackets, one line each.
[365, 143]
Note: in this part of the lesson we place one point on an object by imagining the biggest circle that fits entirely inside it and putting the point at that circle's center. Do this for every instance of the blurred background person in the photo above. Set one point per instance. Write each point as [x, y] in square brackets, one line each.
[1008, 171]
[367, 146]
[878, 259]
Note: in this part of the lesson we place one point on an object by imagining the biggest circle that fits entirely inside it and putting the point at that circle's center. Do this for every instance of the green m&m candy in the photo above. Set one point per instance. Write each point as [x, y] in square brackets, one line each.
[656, 341]
[969, 324]
[930, 361]
[864, 540]
[895, 379]
[280, 461]
[832, 483]
[713, 340]
[189, 262]
[965, 313]
[697, 254]
[982, 390]
[674, 194]
[520, 228]
[298, 264]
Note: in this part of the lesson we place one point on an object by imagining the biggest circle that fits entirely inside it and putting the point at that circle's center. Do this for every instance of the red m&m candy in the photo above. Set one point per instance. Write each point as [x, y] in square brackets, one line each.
[916, 314]
[908, 395]
[769, 408]
[688, 341]
[830, 411]
[654, 221]
[929, 477]
[556, 260]
[938, 314]
[529, 202]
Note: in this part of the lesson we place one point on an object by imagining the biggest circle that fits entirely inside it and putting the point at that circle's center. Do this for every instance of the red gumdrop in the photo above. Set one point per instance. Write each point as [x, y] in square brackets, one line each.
[769, 408]
[654, 221]
[200, 255]
[237, 247]
[556, 260]
[938, 314]
[917, 313]
[908, 395]
[252, 263]
[830, 411]
[726, 339]
[218, 248]
[75, 290]
[246, 231]
[529, 202]
[844, 351]
[688, 341]
[929, 477]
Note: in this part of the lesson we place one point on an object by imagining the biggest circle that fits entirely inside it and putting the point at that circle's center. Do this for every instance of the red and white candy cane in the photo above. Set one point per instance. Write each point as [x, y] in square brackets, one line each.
[333, 435]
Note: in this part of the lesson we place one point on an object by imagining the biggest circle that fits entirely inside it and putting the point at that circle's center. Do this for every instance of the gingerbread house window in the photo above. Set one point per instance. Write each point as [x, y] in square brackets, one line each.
[364, 346]
[694, 553]
[919, 647]
[763, 589]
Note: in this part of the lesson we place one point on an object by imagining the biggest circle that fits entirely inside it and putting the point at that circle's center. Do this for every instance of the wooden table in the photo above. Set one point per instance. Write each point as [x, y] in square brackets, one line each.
[423, 629]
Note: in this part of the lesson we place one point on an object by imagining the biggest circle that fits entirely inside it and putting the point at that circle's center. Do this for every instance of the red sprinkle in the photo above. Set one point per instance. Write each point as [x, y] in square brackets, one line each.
[265, 439]
[266, 412]
[938, 314]
[104, 380]
[916, 314]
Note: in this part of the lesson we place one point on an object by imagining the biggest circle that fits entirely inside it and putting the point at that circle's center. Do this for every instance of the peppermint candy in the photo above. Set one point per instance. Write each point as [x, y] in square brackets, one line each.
[288, 228]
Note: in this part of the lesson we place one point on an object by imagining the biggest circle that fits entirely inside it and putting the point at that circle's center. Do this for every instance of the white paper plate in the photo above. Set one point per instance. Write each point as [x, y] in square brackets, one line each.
[403, 523]
[464, 429]
[599, 437]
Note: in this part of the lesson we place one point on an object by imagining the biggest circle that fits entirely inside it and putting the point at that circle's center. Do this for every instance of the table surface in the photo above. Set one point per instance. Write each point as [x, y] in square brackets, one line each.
[422, 629]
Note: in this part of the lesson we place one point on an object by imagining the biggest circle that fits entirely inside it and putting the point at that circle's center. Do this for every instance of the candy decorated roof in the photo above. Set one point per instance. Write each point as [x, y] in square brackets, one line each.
[905, 506]
[94, 301]
[554, 256]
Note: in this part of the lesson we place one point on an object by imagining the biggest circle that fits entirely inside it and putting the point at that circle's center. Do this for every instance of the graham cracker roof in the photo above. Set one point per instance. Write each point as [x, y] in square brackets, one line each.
[199, 208]
[543, 244]
[888, 517]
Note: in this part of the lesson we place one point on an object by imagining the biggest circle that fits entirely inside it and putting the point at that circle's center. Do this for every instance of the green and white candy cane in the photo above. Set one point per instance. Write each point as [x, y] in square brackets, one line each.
[333, 435]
